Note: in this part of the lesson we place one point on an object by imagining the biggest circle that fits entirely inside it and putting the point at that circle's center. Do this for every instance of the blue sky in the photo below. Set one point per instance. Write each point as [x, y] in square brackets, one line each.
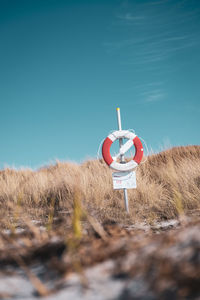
[66, 65]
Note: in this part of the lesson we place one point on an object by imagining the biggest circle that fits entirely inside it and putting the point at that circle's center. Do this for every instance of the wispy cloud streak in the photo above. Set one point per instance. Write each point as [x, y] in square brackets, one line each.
[149, 37]
[159, 29]
[153, 95]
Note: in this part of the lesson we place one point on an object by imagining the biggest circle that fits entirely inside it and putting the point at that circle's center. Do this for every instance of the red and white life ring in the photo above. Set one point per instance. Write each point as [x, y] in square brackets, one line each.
[132, 140]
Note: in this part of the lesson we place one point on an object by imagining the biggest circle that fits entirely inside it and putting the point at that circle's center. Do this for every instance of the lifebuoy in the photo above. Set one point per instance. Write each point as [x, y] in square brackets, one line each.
[132, 140]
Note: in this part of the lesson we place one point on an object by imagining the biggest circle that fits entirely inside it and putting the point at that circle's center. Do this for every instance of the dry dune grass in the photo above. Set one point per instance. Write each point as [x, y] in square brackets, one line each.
[168, 185]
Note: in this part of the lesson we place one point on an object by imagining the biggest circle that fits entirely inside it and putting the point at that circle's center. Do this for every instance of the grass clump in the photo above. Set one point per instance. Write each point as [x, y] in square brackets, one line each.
[168, 186]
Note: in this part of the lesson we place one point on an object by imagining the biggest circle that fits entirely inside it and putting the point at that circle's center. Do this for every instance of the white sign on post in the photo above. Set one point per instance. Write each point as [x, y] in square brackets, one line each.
[124, 180]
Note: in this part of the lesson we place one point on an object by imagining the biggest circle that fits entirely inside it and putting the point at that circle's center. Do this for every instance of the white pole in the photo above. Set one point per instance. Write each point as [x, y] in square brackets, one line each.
[119, 119]
[122, 157]
[120, 128]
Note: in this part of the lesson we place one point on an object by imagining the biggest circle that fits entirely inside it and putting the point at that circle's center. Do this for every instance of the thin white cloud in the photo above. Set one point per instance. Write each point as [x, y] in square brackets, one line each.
[131, 17]
[155, 98]
[151, 50]
[153, 95]
[140, 89]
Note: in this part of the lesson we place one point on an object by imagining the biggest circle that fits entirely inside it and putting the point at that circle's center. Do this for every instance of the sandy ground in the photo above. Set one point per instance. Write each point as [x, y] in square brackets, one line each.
[100, 285]
[162, 265]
